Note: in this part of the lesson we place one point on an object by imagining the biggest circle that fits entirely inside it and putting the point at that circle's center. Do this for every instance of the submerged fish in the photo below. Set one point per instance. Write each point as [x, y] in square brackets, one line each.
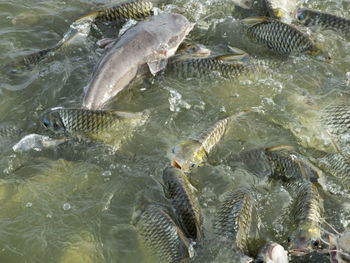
[160, 234]
[83, 121]
[306, 212]
[339, 247]
[281, 38]
[36, 142]
[281, 9]
[272, 253]
[193, 152]
[287, 164]
[336, 119]
[179, 190]
[338, 166]
[145, 47]
[233, 218]
[309, 17]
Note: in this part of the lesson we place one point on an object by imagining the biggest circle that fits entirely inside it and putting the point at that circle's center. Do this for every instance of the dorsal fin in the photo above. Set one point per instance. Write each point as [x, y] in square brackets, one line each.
[255, 20]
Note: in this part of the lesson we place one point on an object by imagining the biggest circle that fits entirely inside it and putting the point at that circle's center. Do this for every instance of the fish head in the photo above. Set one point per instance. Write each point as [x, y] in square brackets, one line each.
[305, 16]
[187, 49]
[305, 239]
[51, 120]
[188, 155]
[272, 253]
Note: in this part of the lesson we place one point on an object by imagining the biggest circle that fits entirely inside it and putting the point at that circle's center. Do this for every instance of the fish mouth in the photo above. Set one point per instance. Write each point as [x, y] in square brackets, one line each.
[175, 164]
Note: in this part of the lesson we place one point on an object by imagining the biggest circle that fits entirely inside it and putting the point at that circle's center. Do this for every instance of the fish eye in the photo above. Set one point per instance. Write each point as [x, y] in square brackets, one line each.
[301, 16]
[259, 260]
[314, 243]
[193, 165]
[46, 123]
[289, 239]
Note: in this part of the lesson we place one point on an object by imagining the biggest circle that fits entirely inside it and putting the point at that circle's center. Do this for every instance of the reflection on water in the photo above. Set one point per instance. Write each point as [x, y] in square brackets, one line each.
[73, 202]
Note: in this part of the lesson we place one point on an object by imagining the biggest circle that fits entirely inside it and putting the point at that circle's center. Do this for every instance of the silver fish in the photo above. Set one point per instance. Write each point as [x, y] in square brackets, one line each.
[272, 253]
[145, 47]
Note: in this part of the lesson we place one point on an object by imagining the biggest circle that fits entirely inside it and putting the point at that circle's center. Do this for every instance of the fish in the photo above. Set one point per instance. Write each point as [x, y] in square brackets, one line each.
[281, 38]
[281, 9]
[9, 131]
[83, 121]
[286, 164]
[309, 17]
[272, 253]
[234, 216]
[143, 48]
[181, 193]
[36, 142]
[191, 153]
[336, 119]
[306, 212]
[218, 66]
[338, 166]
[160, 234]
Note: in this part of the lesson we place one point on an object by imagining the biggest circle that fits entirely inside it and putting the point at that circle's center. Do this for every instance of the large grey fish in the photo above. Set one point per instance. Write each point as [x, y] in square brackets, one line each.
[272, 253]
[282, 38]
[82, 121]
[281, 9]
[309, 17]
[193, 152]
[338, 166]
[306, 212]
[160, 233]
[136, 9]
[145, 47]
[179, 190]
[233, 218]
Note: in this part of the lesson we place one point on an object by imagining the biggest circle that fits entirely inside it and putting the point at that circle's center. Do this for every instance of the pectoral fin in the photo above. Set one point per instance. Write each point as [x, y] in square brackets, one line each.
[157, 65]
[106, 42]
[231, 57]
[252, 21]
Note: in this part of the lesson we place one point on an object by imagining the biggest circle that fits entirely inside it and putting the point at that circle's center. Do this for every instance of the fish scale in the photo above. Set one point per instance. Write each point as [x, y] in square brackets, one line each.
[179, 190]
[160, 234]
[197, 68]
[338, 166]
[233, 218]
[337, 119]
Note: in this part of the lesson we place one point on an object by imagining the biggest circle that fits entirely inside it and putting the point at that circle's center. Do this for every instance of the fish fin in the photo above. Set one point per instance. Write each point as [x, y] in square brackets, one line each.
[231, 57]
[106, 42]
[235, 50]
[279, 148]
[90, 16]
[255, 20]
[157, 65]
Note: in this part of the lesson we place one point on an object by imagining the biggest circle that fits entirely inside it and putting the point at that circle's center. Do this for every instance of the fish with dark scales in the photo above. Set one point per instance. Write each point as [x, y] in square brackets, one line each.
[287, 165]
[86, 121]
[281, 38]
[160, 234]
[309, 17]
[212, 67]
[180, 192]
[338, 166]
[306, 212]
[233, 218]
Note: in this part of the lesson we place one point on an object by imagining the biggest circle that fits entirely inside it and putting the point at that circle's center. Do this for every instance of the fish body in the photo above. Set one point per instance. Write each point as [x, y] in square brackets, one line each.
[309, 17]
[138, 9]
[82, 121]
[179, 190]
[288, 164]
[272, 253]
[306, 212]
[338, 166]
[147, 44]
[193, 152]
[281, 9]
[336, 119]
[280, 37]
[160, 234]
[207, 68]
[233, 218]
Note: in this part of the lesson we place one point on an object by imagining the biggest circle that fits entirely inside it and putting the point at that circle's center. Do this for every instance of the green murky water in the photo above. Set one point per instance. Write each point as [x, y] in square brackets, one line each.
[73, 203]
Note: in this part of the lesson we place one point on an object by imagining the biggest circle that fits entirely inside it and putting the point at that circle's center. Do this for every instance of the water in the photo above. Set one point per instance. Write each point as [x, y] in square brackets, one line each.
[73, 202]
